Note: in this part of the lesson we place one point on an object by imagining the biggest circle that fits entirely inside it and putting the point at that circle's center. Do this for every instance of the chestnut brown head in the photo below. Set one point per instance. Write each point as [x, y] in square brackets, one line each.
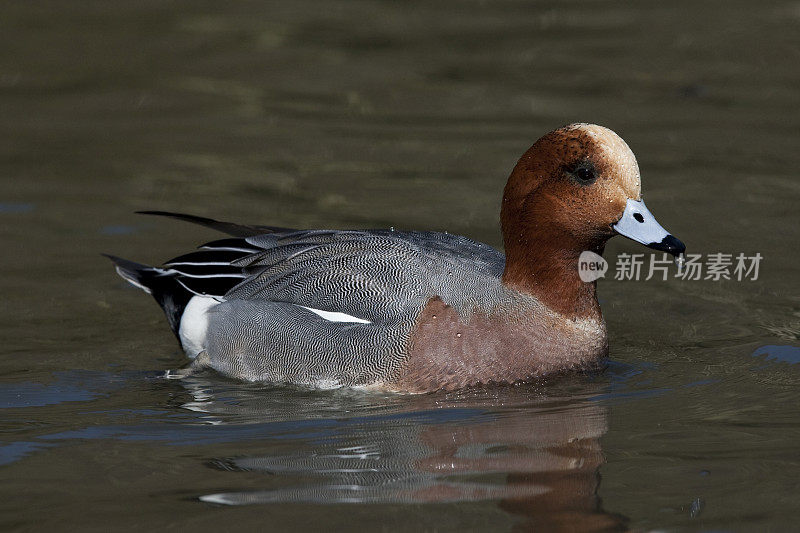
[574, 189]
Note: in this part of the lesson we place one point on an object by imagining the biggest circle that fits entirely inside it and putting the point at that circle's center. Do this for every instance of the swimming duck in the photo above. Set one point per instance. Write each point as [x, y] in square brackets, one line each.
[415, 311]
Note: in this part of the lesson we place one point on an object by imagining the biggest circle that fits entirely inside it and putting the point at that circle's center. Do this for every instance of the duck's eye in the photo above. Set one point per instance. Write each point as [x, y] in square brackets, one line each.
[585, 175]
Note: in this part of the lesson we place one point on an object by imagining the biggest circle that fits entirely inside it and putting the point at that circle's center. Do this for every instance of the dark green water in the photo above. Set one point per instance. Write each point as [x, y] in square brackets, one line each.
[377, 114]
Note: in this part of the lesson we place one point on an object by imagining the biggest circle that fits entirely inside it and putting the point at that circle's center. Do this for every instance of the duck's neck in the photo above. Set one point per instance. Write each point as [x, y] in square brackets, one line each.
[546, 267]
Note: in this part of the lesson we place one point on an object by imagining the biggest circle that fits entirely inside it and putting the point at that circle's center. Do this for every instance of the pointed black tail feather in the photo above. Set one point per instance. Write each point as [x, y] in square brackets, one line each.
[171, 295]
[237, 230]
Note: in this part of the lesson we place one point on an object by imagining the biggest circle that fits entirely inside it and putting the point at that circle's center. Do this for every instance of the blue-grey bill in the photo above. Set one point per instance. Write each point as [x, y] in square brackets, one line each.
[639, 224]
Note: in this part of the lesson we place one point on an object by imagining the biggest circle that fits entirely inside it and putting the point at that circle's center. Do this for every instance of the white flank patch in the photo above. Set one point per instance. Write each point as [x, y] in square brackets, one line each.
[194, 324]
[335, 316]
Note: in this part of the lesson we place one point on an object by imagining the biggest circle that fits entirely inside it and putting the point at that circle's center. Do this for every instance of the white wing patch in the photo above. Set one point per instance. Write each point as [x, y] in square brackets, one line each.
[335, 316]
[194, 324]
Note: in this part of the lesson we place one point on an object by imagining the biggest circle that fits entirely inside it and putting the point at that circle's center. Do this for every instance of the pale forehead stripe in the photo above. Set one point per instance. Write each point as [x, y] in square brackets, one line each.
[619, 154]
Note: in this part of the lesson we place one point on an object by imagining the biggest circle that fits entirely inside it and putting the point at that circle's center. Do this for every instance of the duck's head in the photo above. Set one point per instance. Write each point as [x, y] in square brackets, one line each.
[575, 188]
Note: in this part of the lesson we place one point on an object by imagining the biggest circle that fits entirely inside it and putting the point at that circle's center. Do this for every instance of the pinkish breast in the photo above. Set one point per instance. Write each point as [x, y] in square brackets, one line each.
[449, 351]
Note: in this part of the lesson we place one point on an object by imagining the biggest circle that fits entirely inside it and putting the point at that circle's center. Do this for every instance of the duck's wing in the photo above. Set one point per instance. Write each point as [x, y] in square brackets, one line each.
[375, 276]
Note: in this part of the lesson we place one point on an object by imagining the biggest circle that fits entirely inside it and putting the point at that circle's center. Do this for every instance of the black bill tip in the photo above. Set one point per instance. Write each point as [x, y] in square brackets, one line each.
[669, 244]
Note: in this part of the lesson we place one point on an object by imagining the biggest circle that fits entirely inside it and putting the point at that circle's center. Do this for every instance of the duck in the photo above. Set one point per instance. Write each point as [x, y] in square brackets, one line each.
[415, 311]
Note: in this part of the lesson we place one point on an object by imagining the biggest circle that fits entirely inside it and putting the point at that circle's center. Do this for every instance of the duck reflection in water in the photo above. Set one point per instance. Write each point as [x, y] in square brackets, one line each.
[536, 455]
